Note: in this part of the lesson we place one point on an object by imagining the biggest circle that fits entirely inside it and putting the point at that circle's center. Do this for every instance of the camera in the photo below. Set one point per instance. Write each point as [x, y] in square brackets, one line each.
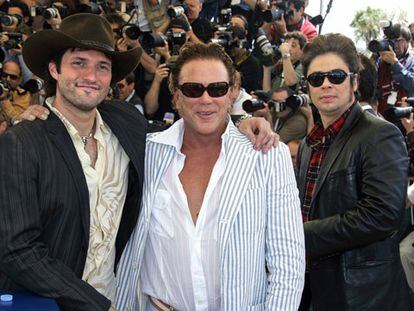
[49, 12]
[174, 40]
[376, 46]
[293, 102]
[33, 85]
[131, 31]
[8, 20]
[396, 113]
[15, 38]
[3, 87]
[275, 14]
[231, 37]
[269, 54]
[225, 16]
[151, 41]
[178, 10]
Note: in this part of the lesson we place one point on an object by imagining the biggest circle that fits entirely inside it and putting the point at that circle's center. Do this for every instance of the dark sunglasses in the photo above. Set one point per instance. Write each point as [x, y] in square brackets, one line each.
[336, 76]
[120, 86]
[11, 76]
[195, 90]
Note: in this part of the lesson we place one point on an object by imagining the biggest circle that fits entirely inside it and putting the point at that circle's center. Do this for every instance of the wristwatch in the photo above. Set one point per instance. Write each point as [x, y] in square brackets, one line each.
[286, 55]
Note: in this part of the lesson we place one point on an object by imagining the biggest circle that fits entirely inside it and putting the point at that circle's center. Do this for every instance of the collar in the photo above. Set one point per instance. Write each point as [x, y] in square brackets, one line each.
[173, 136]
[320, 135]
[101, 128]
[130, 96]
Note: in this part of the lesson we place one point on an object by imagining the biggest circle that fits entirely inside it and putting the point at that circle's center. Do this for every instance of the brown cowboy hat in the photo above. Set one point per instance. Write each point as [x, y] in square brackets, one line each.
[84, 30]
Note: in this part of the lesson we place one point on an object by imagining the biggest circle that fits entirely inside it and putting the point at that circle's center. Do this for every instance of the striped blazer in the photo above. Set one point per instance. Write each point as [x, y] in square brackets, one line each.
[259, 227]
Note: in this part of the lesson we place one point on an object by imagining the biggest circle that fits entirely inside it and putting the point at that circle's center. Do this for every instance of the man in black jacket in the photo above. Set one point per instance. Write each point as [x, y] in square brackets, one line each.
[352, 176]
[70, 186]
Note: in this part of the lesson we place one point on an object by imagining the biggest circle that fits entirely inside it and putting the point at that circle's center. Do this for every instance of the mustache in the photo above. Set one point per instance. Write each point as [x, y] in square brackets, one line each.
[88, 84]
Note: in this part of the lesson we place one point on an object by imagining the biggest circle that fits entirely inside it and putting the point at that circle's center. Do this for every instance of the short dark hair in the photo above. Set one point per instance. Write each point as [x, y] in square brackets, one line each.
[130, 78]
[22, 6]
[367, 80]
[114, 18]
[298, 36]
[286, 89]
[298, 4]
[401, 31]
[200, 51]
[50, 82]
[332, 43]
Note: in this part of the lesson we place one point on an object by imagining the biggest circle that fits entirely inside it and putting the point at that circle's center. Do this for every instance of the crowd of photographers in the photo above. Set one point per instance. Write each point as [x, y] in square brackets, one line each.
[264, 38]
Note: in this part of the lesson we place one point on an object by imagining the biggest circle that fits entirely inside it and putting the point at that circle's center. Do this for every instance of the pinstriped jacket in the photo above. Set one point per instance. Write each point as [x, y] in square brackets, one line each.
[259, 226]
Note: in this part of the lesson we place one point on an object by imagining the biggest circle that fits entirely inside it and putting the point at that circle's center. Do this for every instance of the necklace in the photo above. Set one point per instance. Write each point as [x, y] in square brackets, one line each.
[86, 138]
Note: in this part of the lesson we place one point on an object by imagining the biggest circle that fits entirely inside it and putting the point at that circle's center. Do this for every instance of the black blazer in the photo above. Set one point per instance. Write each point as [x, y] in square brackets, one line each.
[44, 200]
[357, 207]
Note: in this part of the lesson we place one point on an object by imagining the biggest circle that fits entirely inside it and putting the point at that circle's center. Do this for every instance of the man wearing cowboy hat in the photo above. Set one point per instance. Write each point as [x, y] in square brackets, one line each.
[70, 186]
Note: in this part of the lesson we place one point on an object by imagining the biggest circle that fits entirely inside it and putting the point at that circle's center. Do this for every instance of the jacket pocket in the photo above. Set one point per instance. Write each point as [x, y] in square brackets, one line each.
[161, 222]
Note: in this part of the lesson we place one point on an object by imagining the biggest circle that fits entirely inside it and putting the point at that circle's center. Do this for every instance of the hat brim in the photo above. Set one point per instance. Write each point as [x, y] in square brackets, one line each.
[40, 47]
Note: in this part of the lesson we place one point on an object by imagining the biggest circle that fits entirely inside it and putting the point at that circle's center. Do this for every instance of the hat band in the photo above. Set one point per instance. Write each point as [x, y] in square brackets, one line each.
[98, 45]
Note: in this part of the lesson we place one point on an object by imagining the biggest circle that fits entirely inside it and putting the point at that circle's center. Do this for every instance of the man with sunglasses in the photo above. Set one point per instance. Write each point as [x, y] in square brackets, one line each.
[221, 221]
[126, 92]
[352, 178]
[13, 99]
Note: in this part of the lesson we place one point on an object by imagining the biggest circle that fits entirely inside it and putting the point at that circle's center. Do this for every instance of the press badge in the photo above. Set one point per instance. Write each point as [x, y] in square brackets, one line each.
[392, 98]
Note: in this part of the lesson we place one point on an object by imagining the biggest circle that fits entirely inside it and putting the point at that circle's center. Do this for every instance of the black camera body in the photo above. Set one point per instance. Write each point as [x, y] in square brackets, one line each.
[376, 46]
[15, 38]
[293, 102]
[174, 40]
[230, 37]
[131, 31]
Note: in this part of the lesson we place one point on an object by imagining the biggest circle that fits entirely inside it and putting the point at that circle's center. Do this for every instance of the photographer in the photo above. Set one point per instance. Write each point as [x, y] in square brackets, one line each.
[158, 100]
[15, 31]
[13, 99]
[396, 69]
[247, 64]
[126, 92]
[152, 15]
[288, 121]
[366, 93]
[296, 21]
[201, 29]
[288, 71]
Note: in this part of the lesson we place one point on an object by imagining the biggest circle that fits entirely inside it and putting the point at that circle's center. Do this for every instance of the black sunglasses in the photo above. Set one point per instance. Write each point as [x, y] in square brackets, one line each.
[11, 76]
[336, 76]
[195, 90]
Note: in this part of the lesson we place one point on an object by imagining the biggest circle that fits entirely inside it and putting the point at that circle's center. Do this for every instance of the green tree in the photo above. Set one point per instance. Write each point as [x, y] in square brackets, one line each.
[367, 24]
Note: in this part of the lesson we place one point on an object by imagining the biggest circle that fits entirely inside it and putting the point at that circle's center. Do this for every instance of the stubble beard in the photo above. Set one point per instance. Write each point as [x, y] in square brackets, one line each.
[72, 98]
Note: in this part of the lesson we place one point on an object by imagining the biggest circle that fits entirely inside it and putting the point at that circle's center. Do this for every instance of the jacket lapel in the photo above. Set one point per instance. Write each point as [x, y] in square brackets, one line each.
[240, 161]
[131, 138]
[64, 145]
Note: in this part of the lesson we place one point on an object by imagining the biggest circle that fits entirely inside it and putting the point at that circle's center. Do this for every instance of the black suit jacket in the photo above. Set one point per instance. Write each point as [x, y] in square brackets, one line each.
[356, 209]
[44, 200]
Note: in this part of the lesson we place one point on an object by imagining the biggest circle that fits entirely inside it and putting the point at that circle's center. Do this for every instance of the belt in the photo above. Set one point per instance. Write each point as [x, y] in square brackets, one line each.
[159, 305]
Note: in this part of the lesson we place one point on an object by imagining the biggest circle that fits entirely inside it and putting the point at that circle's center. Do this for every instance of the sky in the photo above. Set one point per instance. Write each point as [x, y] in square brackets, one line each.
[343, 11]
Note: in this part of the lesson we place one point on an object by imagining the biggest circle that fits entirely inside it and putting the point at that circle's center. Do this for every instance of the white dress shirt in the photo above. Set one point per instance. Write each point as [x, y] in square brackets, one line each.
[181, 262]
